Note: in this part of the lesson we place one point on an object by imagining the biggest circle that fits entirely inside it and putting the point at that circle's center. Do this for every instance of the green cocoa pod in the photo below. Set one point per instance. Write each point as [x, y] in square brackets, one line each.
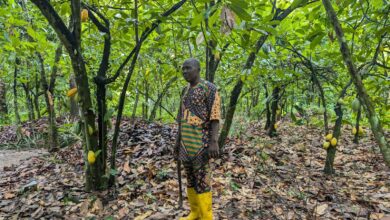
[356, 105]
[375, 122]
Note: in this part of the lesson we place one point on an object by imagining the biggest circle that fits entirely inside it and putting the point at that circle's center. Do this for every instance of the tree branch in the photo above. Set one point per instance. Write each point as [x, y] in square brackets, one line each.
[104, 63]
[55, 68]
[76, 17]
[144, 35]
[56, 22]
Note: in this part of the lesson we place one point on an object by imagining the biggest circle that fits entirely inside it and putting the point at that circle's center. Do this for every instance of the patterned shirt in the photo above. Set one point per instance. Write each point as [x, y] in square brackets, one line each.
[200, 105]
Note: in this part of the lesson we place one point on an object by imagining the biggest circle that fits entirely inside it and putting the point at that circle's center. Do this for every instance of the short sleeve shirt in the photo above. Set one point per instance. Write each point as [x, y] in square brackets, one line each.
[200, 105]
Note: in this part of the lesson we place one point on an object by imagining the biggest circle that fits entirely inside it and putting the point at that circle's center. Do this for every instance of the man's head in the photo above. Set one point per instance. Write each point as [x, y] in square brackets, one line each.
[191, 70]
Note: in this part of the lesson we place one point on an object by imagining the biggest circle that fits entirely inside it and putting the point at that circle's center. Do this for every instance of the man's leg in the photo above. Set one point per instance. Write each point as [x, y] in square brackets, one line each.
[203, 189]
[191, 193]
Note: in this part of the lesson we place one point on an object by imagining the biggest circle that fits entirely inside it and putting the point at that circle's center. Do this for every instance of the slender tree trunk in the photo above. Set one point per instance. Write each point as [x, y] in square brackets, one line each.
[3, 102]
[331, 151]
[322, 95]
[136, 102]
[126, 84]
[230, 113]
[74, 109]
[274, 106]
[160, 97]
[72, 43]
[356, 137]
[94, 172]
[267, 109]
[375, 123]
[29, 102]
[36, 96]
[53, 138]
[146, 101]
[16, 107]
[308, 63]
[278, 16]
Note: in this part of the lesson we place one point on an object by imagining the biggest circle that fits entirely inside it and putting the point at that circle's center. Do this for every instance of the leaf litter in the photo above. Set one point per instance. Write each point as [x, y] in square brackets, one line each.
[257, 178]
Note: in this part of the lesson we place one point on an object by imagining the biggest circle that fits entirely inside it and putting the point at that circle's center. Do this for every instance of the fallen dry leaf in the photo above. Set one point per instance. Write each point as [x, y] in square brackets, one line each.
[126, 167]
[9, 195]
[377, 216]
[143, 216]
[320, 210]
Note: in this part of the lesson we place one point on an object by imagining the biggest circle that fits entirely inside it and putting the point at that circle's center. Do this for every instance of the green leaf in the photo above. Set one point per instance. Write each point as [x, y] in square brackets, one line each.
[316, 41]
[269, 30]
[293, 117]
[296, 3]
[240, 12]
[240, 3]
[32, 32]
[377, 3]
[197, 19]
[113, 172]
[97, 153]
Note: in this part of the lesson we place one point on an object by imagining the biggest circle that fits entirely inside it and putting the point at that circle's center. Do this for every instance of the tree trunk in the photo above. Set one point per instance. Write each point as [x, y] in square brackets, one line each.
[268, 112]
[135, 53]
[94, 172]
[160, 97]
[331, 151]
[322, 95]
[3, 102]
[356, 137]
[72, 42]
[136, 102]
[29, 102]
[375, 123]
[274, 106]
[74, 109]
[16, 108]
[36, 96]
[49, 99]
[278, 16]
[308, 63]
[146, 101]
[230, 113]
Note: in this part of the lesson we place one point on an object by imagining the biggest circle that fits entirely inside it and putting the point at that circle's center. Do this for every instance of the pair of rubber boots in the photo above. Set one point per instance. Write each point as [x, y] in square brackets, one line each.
[200, 205]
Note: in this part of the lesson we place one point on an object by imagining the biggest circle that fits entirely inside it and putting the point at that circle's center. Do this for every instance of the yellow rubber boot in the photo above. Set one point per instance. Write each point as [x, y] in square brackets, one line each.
[194, 205]
[206, 206]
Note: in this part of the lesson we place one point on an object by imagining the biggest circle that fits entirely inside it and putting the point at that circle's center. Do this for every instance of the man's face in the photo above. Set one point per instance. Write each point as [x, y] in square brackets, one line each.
[190, 71]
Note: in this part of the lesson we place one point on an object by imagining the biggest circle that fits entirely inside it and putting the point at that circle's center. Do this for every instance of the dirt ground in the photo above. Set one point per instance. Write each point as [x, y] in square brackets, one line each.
[13, 157]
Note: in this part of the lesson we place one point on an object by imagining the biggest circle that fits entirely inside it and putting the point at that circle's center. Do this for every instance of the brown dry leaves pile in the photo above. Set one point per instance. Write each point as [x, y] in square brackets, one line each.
[257, 178]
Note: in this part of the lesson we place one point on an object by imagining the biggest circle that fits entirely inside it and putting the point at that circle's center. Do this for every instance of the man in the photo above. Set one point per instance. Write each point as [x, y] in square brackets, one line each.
[197, 139]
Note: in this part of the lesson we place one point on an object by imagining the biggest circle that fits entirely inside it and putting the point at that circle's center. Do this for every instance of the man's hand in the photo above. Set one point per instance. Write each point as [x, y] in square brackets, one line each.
[213, 149]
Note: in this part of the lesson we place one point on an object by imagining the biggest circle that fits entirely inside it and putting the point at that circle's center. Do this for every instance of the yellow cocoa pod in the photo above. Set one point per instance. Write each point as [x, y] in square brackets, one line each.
[329, 137]
[326, 145]
[333, 142]
[84, 15]
[71, 92]
[276, 126]
[91, 157]
[90, 130]
[217, 56]
[354, 130]
[361, 131]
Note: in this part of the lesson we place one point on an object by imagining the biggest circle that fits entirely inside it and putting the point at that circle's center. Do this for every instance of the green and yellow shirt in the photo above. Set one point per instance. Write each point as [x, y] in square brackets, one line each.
[200, 105]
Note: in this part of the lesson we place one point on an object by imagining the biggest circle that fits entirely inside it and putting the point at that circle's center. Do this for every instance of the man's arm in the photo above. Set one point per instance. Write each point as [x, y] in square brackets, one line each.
[214, 148]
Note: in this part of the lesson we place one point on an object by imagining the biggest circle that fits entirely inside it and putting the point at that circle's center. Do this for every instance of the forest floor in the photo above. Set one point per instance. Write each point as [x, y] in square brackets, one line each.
[257, 178]
[10, 158]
